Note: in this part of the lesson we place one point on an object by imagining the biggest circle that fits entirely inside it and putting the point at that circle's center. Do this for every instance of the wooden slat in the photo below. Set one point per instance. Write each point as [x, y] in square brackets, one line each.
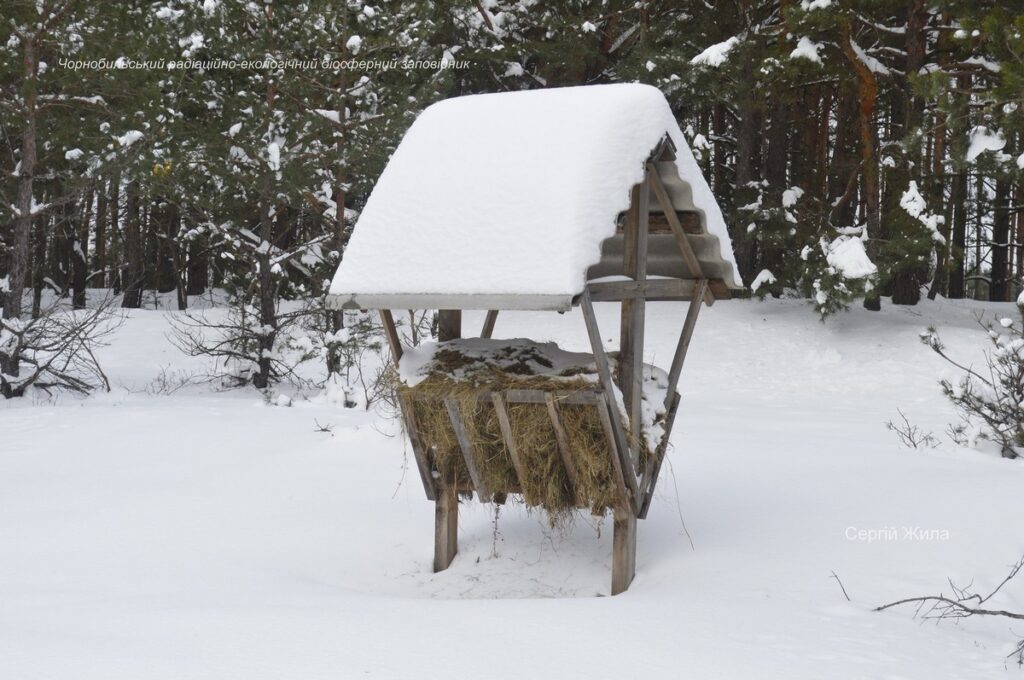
[685, 335]
[692, 263]
[505, 426]
[467, 448]
[623, 551]
[540, 397]
[621, 444]
[446, 529]
[563, 447]
[631, 326]
[663, 289]
[655, 460]
[618, 469]
[392, 335]
[659, 223]
[489, 321]
[418, 450]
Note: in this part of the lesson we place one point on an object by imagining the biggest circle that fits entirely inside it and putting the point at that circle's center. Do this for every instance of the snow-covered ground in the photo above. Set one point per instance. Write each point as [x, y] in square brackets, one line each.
[206, 534]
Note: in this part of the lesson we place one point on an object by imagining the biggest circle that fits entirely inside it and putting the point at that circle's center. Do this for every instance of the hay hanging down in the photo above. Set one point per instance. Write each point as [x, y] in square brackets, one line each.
[471, 370]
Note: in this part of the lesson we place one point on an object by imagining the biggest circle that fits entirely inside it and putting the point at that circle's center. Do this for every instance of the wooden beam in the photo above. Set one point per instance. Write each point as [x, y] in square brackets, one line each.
[621, 451]
[623, 551]
[631, 322]
[658, 223]
[657, 457]
[562, 437]
[391, 331]
[685, 335]
[651, 289]
[467, 448]
[446, 529]
[692, 263]
[419, 451]
[506, 433]
[540, 397]
[446, 507]
[489, 321]
[449, 324]
[619, 465]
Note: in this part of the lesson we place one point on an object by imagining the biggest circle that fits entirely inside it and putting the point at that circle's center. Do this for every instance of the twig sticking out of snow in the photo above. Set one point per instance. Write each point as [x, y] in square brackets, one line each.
[962, 604]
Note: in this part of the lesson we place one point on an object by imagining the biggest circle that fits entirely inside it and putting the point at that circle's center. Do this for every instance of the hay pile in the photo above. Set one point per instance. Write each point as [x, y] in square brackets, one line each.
[469, 371]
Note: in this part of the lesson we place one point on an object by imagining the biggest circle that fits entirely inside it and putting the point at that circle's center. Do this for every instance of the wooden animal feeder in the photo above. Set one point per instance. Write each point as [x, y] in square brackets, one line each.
[540, 200]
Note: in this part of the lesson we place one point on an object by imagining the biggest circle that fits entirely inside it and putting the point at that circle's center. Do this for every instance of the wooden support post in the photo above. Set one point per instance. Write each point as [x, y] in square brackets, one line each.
[684, 340]
[618, 433]
[446, 528]
[446, 507]
[449, 324]
[468, 452]
[654, 462]
[619, 469]
[505, 425]
[631, 327]
[489, 321]
[391, 332]
[623, 550]
[419, 451]
[562, 438]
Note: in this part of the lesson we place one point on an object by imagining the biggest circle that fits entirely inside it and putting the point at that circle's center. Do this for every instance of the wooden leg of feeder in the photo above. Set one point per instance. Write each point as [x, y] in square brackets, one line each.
[446, 528]
[623, 550]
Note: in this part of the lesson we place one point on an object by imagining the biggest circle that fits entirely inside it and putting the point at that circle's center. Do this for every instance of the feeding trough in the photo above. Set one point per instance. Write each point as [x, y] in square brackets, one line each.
[542, 200]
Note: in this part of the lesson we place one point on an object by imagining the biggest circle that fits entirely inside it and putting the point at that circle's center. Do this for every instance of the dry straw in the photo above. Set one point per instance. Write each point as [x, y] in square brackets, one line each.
[544, 482]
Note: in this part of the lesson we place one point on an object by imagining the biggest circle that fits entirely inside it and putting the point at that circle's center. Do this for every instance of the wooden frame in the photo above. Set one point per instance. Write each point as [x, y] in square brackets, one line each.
[635, 477]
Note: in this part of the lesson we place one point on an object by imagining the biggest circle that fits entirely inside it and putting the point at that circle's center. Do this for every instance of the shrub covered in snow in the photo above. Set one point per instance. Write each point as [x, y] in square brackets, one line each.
[990, 400]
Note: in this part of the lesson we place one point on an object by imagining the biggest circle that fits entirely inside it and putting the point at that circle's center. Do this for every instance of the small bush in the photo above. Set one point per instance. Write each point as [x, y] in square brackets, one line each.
[990, 399]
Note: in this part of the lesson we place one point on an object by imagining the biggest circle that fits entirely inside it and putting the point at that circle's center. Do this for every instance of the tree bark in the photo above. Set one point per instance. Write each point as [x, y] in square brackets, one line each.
[267, 295]
[134, 271]
[80, 251]
[17, 266]
[867, 95]
[1000, 242]
[97, 277]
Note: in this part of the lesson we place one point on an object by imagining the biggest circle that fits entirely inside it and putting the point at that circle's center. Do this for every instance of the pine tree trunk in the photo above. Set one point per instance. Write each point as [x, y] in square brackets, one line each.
[97, 278]
[748, 152]
[116, 263]
[80, 252]
[265, 277]
[198, 266]
[1000, 242]
[908, 273]
[867, 94]
[265, 286]
[39, 245]
[134, 272]
[336, 317]
[18, 255]
[842, 182]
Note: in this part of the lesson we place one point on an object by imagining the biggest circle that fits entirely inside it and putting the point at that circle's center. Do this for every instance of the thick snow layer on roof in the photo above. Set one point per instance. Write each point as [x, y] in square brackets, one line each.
[512, 193]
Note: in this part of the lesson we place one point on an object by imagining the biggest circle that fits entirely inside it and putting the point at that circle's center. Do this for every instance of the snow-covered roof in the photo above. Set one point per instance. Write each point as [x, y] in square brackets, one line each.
[502, 201]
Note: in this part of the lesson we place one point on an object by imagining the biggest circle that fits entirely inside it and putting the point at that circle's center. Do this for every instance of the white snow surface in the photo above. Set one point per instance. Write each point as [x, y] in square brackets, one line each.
[209, 535]
[913, 202]
[982, 140]
[716, 54]
[512, 193]
[807, 49]
[873, 64]
[764, 277]
[847, 254]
